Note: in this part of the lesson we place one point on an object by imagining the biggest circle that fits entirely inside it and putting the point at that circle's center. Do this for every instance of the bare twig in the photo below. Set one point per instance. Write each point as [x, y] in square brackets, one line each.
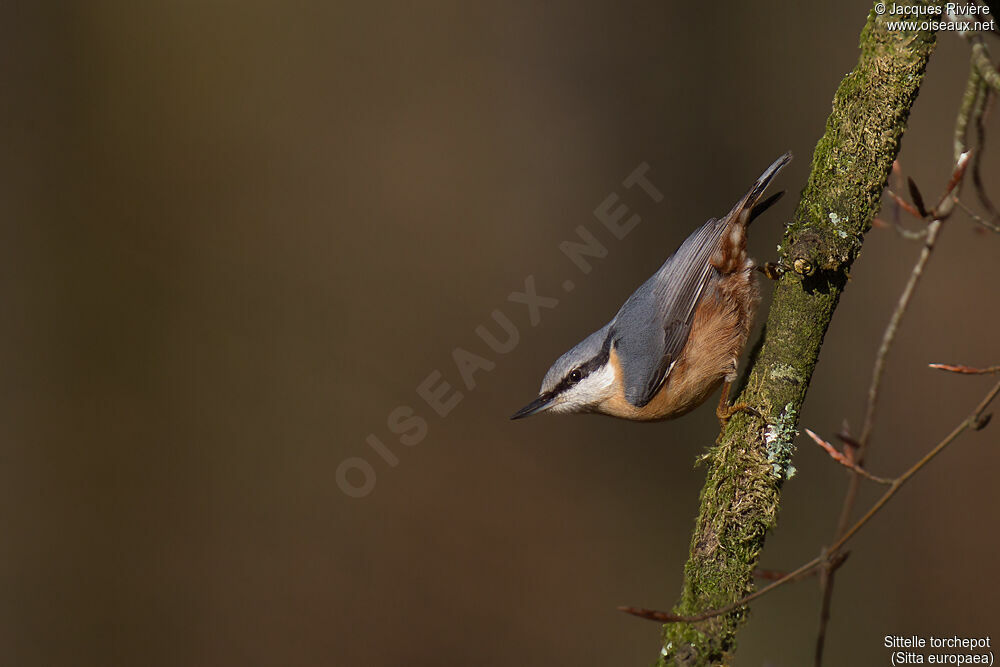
[666, 617]
[984, 64]
[899, 204]
[774, 575]
[969, 422]
[908, 234]
[975, 88]
[905, 205]
[980, 111]
[967, 370]
[976, 218]
[844, 461]
[770, 575]
[974, 107]
[918, 210]
[831, 553]
[828, 571]
[946, 204]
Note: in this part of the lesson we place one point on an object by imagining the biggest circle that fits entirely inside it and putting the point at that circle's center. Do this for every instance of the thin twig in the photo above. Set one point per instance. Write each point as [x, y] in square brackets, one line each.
[976, 218]
[826, 584]
[969, 422]
[974, 88]
[827, 573]
[946, 204]
[905, 205]
[844, 461]
[917, 209]
[984, 64]
[980, 111]
[900, 204]
[966, 370]
[908, 234]
[667, 617]
[774, 575]
[973, 422]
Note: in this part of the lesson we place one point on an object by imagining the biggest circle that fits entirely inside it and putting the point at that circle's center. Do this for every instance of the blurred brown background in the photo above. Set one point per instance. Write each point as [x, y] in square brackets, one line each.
[237, 235]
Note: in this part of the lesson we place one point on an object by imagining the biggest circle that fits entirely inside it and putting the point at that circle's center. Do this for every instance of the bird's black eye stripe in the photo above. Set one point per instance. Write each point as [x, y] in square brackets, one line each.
[584, 369]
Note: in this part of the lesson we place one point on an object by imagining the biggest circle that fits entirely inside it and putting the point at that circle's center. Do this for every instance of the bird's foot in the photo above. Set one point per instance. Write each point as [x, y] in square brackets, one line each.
[725, 412]
[772, 270]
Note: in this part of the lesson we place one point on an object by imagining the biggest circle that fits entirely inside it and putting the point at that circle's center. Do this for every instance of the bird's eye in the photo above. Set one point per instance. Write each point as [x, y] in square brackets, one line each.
[575, 375]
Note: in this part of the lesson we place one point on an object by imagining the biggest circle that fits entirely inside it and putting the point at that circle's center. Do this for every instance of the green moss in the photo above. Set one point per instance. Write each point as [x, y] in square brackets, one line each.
[785, 372]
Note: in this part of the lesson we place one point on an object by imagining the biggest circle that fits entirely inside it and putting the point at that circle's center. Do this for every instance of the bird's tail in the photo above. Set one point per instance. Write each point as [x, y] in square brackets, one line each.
[750, 206]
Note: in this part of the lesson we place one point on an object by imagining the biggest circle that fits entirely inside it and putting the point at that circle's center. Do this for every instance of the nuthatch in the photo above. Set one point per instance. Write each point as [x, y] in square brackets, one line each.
[678, 337]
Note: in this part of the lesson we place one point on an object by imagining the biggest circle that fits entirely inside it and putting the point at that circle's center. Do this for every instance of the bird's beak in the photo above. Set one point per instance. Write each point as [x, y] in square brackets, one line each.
[541, 403]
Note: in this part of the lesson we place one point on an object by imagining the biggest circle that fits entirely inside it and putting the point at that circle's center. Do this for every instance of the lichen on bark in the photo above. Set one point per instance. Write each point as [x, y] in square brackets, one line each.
[740, 499]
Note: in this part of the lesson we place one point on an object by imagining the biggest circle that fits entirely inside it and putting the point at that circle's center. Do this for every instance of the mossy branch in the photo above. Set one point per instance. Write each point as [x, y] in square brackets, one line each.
[752, 459]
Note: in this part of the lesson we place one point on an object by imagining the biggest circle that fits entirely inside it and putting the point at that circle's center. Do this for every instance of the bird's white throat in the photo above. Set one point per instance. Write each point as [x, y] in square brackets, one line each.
[591, 391]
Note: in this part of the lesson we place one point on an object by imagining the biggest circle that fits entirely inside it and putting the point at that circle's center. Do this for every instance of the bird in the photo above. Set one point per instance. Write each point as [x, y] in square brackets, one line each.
[678, 337]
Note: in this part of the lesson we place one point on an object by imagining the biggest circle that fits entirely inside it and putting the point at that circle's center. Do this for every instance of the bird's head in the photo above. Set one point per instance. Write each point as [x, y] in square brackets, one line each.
[579, 381]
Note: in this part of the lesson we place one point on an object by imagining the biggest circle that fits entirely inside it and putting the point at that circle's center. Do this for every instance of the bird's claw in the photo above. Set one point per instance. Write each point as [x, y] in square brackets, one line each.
[772, 270]
[726, 412]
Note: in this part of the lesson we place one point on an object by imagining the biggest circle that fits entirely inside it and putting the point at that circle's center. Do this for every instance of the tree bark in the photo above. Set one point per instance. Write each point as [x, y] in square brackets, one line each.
[752, 458]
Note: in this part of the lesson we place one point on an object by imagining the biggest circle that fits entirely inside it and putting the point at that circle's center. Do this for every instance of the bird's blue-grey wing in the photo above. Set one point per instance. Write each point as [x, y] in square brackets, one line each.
[652, 326]
[666, 303]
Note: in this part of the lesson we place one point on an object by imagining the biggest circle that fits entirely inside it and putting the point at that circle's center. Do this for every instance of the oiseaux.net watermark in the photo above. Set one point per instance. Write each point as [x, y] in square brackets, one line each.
[947, 17]
[356, 475]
